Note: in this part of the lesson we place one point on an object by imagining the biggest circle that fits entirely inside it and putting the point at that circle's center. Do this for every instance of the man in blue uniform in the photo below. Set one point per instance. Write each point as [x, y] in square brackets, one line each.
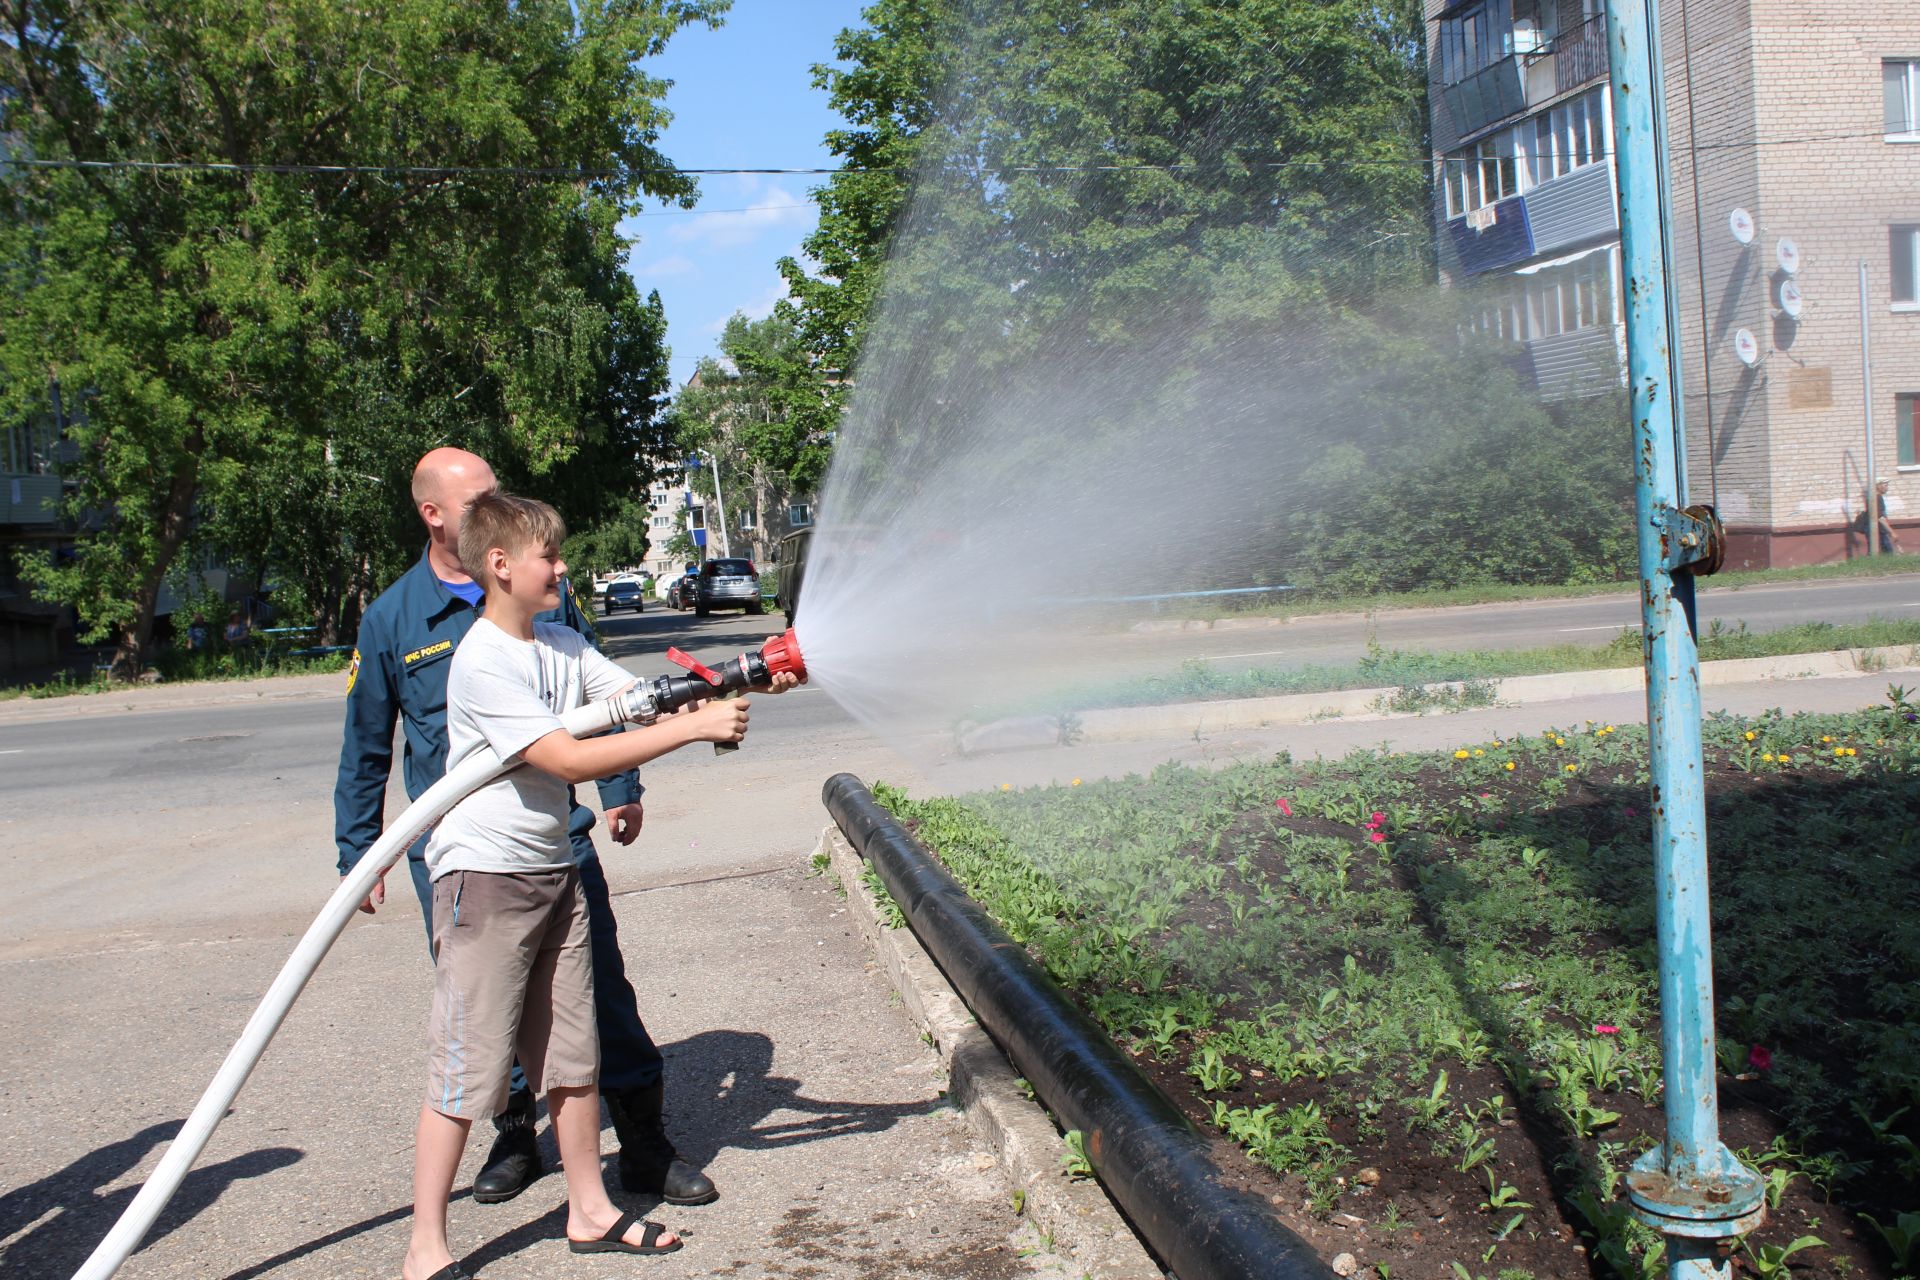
[399, 672]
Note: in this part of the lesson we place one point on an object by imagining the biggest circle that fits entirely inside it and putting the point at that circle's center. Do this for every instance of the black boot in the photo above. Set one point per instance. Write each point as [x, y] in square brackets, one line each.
[514, 1162]
[648, 1163]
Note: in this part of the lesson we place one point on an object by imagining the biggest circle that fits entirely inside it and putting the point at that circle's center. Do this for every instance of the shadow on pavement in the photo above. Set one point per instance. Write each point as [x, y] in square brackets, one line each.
[82, 1216]
[721, 1093]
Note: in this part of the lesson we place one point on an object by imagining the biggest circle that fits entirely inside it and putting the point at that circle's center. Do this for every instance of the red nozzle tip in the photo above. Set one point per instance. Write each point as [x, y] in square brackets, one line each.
[782, 653]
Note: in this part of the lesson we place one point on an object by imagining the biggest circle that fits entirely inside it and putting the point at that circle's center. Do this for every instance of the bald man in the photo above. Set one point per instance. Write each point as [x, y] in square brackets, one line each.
[399, 672]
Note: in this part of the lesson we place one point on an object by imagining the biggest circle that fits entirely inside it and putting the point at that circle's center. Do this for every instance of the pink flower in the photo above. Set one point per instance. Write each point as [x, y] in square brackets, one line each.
[1376, 838]
[1760, 1058]
[1282, 805]
[1605, 1029]
[1376, 818]
[1632, 812]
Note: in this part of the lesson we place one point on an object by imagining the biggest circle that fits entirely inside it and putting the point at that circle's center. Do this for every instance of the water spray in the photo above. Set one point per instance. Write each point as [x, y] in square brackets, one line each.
[643, 703]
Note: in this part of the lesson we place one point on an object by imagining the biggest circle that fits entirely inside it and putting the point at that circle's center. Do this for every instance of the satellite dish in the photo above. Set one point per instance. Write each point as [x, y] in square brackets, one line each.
[1746, 347]
[1740, 222]
[1788, 254]
[1790, 299]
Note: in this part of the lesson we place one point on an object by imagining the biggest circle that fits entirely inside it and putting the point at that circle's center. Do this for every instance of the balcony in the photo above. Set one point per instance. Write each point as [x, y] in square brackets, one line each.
[1569, 366]
[1492, 93]
[29, 500]
[1574, 209]
[1579, 54]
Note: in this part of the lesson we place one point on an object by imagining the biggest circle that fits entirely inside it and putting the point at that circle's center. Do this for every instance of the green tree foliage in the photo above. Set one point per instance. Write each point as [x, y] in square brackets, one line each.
[758, 409]
[261, 353]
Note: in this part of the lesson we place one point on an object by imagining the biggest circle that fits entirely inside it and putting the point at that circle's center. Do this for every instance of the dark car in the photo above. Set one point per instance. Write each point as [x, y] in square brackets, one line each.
[680, 592]
[790, 562]
[729, 583]
[625, 593]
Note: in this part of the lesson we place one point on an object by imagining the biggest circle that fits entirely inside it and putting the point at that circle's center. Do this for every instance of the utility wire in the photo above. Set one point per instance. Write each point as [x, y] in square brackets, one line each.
[580, 175]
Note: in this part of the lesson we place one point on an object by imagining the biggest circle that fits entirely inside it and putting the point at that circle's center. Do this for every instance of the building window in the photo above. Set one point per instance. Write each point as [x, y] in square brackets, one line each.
[696, 517]
[1571, 136]
[1481, 175]
[1467, 44]
[1906, 427]
[800, 514]
[1900, 90]
[1903, 252]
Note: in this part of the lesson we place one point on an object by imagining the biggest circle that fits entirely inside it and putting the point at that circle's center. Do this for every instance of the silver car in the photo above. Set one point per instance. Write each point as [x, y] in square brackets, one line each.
[727, 584]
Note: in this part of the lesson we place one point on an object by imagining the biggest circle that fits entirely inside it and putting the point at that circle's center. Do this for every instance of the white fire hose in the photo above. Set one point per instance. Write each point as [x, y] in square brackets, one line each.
[474, 772]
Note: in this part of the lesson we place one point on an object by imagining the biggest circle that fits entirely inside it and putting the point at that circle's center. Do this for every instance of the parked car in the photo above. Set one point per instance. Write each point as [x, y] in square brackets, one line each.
[680, 594]
[625, 593]
[790, 566]
[730, 583]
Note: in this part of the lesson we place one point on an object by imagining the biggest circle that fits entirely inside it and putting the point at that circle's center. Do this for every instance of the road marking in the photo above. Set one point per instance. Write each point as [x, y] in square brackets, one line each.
[1612, 626]
[14, 752]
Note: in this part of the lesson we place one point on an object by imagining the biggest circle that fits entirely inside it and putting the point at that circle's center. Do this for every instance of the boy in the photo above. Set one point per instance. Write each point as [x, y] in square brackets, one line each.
[512, 966]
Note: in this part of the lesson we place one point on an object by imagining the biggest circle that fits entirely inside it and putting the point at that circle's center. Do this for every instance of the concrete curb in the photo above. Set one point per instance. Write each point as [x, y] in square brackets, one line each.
[1083, 1223]
[1121, 724]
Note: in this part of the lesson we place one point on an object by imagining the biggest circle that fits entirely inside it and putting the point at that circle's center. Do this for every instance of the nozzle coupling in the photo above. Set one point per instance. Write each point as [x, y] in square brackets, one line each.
[648, 700]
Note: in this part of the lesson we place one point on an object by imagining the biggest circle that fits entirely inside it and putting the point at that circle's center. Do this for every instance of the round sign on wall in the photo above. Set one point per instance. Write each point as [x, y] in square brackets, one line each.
[1740, 222]
[1788, 255]
[1746, 347]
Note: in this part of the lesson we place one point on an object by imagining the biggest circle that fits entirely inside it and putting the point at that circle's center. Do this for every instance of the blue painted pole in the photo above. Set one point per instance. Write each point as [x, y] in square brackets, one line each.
[1691, 1189]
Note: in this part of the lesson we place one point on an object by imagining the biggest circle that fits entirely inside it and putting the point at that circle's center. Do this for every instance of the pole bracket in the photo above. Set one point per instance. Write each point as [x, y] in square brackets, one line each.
[1719, 1203]
[1691, 539]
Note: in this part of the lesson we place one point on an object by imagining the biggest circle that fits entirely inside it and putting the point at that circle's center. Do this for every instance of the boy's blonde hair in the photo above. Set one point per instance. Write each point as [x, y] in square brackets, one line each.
[512, 523]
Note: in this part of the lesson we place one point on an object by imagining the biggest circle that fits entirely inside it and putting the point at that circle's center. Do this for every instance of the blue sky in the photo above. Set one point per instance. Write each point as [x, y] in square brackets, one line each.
[741, 99]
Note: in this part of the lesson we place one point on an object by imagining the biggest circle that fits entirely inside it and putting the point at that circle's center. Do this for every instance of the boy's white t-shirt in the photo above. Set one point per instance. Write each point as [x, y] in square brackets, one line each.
[507, 694]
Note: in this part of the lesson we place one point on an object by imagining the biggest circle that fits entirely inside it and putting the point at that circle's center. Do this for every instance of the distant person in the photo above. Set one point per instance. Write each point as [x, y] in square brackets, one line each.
[197, 633]
[237, 630]
[1877, 500]
[513, 971]
[399, 675]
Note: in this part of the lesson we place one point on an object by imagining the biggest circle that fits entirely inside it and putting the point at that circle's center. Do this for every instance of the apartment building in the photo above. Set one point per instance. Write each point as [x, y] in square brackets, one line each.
[1795, 139]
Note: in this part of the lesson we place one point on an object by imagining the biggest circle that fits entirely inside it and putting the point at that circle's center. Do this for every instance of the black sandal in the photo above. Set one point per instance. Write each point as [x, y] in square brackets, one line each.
[452, 1271]
[615, 1240]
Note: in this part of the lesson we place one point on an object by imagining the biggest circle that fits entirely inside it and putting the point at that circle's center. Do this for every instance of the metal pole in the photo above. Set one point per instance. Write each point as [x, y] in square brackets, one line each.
[1691, 1189]
[1866, 393]
[720, 504]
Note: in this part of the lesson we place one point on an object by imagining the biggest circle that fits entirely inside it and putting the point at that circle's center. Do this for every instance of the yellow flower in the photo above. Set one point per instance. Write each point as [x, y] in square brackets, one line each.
[1751, 735]
[1076, 782]
[1559, 742]
[1768, 757]
[1786, 759]
[1826, 737]
[1573, 768]
[1478, 752]
[1840, 751]
[1460, 755]
[1853, 751]
[1498, 743]
[1609, 728]
[1509, 766]
[1006, 786]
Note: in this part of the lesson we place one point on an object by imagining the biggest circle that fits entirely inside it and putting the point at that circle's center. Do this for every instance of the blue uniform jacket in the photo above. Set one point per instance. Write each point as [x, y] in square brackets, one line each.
[399, 671]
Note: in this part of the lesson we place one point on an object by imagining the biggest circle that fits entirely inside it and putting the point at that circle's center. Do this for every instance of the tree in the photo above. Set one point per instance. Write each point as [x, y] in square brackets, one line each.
[262, 351]
[757, 408]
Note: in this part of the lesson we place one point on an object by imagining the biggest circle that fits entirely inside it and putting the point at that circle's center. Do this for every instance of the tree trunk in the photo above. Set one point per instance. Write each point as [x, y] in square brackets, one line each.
[175, 516]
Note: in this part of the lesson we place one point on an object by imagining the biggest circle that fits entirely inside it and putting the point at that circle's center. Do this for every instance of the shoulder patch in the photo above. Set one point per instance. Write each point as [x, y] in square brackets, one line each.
[353, 670]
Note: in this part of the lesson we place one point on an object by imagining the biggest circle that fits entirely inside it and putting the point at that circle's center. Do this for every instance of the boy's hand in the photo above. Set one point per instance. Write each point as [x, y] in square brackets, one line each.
[378, 897]
[623, 822]
[786, 679]
[718, 720]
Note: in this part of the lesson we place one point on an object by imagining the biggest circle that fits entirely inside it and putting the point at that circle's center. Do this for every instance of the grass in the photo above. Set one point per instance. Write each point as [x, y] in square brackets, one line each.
[186, 668]
[1411, 673]
[1304, 603]
[1441, 968]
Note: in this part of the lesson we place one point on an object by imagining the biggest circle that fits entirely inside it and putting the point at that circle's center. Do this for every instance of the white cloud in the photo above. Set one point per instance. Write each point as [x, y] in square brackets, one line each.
[759, 308]
[773, 211]
[674, 264]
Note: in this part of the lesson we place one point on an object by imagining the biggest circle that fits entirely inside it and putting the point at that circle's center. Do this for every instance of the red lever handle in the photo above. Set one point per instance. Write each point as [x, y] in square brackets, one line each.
[693, 664]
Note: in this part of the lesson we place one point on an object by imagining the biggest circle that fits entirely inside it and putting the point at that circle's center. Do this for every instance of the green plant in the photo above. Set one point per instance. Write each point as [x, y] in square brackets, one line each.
[1211, 1068]
[1501, 1195]
[1901, 1238]
[1074, 1161]
[1770, 1260]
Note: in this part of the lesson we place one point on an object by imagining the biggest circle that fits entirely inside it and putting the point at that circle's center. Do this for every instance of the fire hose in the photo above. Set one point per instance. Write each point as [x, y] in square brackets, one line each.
[642, 703]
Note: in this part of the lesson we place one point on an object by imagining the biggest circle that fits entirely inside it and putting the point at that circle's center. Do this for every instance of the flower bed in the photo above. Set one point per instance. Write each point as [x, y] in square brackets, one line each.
[1416, 998]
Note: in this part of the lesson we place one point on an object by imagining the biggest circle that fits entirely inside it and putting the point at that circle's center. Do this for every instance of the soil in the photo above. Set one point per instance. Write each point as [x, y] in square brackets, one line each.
[1408, 1212]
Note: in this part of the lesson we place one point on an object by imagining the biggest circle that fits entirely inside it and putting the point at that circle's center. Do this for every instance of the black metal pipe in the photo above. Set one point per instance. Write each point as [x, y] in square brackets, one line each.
[1152, 1161]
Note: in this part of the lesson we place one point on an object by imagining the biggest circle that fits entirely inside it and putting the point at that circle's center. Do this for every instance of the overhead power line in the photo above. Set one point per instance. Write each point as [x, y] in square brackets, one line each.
[590, 175]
